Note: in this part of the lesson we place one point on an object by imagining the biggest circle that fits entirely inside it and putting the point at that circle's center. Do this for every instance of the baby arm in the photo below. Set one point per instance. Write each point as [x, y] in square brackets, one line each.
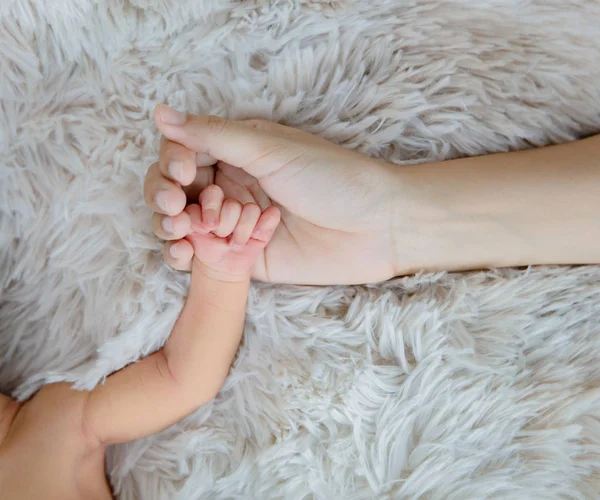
[150, 395]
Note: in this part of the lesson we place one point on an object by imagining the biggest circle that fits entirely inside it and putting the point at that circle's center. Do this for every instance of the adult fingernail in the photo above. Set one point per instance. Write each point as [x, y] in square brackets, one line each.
[162, 200]
[172, 116]
[176, 170]
[174, 251]
[167, 224]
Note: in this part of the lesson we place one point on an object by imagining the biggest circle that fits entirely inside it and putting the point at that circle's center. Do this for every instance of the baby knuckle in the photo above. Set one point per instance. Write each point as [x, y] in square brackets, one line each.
[212, 189]
[252, 207]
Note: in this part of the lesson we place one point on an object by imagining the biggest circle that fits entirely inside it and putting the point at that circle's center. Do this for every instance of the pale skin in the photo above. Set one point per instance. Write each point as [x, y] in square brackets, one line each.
[345, 219]
[349, 219]
[53, 446]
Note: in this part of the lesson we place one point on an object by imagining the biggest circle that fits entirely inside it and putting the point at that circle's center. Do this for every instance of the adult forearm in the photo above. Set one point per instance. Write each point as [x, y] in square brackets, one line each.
[531, 207]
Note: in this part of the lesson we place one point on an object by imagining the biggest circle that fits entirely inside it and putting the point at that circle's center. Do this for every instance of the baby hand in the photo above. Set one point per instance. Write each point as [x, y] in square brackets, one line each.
[229, 237]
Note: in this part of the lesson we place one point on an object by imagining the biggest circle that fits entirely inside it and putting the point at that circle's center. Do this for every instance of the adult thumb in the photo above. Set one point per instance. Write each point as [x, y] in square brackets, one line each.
[249, 145]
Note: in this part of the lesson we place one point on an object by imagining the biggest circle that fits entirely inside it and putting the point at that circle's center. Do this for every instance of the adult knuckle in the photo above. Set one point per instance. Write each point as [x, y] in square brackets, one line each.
[215, 124]
[150, 182]
[152, 174]
[258, 123]
[152, 170]
[168, 149]
[148, 194]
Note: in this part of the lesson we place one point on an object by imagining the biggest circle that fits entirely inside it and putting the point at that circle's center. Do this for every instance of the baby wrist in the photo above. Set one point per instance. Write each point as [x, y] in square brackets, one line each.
[205, 272]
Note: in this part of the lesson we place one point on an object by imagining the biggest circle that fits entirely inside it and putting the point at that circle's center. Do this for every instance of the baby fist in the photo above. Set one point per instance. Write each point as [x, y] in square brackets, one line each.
[229, 237]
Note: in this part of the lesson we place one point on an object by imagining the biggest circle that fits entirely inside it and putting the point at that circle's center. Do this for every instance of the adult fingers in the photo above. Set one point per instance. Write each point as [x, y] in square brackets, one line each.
[161, 194]
[179, 164]
[171, 228]
[211, 201]
[176, 162]
[259, 147]
[178, 254]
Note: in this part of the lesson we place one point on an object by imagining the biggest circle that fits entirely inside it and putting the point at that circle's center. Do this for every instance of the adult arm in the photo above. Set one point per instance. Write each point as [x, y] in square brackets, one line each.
[539, 206]
[347, 218]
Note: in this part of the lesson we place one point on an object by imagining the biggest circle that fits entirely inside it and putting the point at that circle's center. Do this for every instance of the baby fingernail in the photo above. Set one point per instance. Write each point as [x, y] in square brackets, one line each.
[176, 170]
[210, 218]
[172, 116]
[167, 224]
[162, 200]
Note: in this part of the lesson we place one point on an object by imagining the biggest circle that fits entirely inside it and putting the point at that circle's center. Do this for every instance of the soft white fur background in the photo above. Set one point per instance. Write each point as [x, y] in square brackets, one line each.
[473, 386]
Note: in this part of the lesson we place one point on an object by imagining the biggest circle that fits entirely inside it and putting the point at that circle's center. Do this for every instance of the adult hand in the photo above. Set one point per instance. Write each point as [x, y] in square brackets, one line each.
[337, 206]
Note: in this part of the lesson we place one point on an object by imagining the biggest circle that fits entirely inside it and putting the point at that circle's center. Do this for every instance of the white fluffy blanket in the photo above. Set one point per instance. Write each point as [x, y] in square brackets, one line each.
[465, 386]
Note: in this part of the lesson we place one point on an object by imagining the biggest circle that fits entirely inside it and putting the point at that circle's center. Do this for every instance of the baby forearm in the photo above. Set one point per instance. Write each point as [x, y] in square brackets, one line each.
[531, 207]
[154, 393]
[207, 334]
[190, 369]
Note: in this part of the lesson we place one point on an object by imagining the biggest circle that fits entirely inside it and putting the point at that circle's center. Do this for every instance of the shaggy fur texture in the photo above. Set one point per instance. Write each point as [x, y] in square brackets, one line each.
[467, 386]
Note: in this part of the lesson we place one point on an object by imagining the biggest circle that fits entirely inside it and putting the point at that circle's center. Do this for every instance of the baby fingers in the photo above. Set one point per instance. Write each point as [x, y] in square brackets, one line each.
[229, 217]
[266, 225]
[211, 201]
[245, 226]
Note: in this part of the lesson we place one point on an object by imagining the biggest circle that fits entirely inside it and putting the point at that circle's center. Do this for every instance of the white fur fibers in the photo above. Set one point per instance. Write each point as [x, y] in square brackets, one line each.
[466, 386]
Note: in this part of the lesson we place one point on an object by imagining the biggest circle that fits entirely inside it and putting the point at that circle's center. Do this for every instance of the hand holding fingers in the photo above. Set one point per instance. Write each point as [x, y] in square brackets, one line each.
[229, 218]
[231, 248]
[214, 213]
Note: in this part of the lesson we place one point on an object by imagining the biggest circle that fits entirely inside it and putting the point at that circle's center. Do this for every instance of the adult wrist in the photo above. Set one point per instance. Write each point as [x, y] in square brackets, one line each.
[445, 224]
[532, 207]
